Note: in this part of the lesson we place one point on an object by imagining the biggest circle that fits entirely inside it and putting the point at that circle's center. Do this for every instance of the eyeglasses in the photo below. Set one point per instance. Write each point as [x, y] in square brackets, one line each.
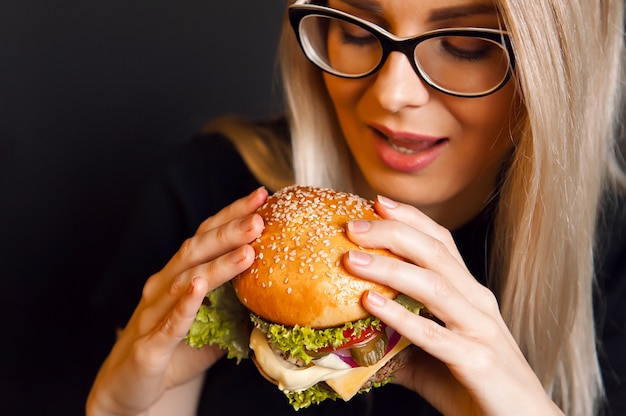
[463, 62]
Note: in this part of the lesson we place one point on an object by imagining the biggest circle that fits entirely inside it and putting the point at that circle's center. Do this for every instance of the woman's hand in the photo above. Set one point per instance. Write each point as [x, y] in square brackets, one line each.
[472, 365]
[150, 356]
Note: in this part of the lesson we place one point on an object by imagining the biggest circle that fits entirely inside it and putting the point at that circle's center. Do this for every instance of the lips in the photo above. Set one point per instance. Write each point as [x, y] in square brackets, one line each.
[405, 151]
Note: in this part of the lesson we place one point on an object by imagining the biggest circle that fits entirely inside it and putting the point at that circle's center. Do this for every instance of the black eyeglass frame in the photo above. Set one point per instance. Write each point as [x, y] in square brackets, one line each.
[391, 43]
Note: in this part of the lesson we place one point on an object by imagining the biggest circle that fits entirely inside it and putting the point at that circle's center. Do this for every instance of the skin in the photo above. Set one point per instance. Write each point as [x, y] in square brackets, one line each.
[472, 365]
[476, 130]
[150, 357]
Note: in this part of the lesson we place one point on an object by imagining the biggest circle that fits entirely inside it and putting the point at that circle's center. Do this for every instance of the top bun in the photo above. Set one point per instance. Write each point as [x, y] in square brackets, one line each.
[298, 276]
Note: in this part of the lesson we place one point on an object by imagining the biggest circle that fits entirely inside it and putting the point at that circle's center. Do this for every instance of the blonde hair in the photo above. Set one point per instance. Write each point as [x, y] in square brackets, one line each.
[550, 199]
[569, 68]
[320, 154]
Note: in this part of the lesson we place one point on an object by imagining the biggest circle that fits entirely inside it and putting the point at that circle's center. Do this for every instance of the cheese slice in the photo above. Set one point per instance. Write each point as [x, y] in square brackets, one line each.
[349, 384]
[289, 377]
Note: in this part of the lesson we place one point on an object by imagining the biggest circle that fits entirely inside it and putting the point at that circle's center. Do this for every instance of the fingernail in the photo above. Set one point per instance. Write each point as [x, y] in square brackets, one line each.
[246, 224]
[257, 191]
[386, 202]
[237, 256]
[192, 286]
[358, 226]
[374, 298]
[261, 192]
[359, 258]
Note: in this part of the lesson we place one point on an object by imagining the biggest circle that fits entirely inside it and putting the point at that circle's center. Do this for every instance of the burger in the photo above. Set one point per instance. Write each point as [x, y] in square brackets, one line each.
[297, 313]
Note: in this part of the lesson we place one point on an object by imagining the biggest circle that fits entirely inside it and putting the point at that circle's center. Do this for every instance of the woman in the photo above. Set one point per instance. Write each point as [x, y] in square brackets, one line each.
[491, 134]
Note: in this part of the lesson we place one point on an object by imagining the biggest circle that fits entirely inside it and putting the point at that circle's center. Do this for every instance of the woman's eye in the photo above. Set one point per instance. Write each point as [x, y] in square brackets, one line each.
[352, 34]
[357, 40]
[470, 49]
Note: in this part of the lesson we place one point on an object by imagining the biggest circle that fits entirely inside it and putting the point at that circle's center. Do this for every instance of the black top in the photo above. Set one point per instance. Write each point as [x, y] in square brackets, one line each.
[205, 175]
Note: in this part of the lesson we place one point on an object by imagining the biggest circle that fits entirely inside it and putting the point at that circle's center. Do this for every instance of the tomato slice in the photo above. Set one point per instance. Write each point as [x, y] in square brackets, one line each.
[353, 340]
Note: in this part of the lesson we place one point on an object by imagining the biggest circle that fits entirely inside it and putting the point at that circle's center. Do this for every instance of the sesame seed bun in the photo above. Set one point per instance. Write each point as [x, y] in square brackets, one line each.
[298, 276]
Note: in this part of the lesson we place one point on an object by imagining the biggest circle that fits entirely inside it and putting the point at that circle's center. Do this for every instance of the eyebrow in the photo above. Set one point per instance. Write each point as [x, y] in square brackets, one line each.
[366, 5]
[455, 12]
[446, 13]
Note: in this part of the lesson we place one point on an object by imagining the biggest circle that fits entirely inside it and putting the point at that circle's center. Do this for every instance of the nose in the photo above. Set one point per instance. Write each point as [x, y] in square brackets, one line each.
[397, 86]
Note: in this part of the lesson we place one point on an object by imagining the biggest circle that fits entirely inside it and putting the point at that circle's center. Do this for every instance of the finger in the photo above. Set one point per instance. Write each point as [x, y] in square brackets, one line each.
[220, 270]
[158, 296]
[421, 331]
[476, 362]
[155, 349]
[474, 315]
[240, 208]
[433, 338]
[415, 246]
[441, 298]
[206, 246]
[404, 240]
[415, 218]
[202, 280]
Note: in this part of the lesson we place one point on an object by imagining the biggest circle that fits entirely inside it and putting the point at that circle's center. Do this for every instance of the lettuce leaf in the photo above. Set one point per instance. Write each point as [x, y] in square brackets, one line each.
[297, 340]
[223, 321]
[313, 395]
[318, 393]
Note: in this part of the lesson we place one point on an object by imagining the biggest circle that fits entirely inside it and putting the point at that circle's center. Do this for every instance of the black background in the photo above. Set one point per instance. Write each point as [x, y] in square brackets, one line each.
[92, 95]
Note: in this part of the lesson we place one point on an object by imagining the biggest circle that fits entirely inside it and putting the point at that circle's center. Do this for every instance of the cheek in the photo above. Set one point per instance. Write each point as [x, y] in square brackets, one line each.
[490, 119]
[345, 95]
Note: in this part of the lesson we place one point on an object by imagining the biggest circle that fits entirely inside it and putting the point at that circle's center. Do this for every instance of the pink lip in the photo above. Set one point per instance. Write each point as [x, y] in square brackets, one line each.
[405, 151]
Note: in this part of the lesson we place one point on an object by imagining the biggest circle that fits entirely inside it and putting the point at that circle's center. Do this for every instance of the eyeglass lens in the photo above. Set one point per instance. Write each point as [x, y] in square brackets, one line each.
[459, 64]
